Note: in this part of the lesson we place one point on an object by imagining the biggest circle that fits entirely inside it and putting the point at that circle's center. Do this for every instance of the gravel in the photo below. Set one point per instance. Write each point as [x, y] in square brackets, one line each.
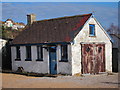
[86, 81]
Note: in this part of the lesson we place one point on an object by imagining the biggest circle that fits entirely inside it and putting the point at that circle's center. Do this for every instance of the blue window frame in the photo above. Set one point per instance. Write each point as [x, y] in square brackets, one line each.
[92, 29]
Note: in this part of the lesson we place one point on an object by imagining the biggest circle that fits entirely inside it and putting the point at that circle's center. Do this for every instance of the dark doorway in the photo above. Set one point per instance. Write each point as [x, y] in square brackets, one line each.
[52, 60]
[6, 57]
[115, 59]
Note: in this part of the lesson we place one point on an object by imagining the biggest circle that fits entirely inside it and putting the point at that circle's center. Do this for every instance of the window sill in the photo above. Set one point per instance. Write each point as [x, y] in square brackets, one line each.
[39, 59]
[92, 36]
[28, 59]
[63, 61]
[17, 59]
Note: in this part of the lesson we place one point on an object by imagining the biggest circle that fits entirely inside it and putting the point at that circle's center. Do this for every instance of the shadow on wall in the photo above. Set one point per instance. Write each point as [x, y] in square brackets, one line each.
[6, 56]
[115, 59]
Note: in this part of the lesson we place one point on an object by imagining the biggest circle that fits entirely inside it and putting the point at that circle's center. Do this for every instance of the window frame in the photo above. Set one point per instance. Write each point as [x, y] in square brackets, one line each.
[64, 50]
[39, 53]
[28, 53]
[18, 54]
[92, 30]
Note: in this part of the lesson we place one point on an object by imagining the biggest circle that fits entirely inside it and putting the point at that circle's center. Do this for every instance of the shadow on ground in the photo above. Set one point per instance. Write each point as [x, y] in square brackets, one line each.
[29, 74]
[111, 83]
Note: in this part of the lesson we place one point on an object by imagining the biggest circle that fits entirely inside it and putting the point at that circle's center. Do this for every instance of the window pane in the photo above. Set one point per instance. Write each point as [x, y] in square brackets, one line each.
[28, 51]
[18, 52]
[39, 52]
[92, 30]
[64, 54]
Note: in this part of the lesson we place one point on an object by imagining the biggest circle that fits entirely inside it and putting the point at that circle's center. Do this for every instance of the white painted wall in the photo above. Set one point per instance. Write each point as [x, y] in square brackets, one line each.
[30, 66]
[2, 44]
[9, 23]
[83, 36]
[64, 67]
[40, 66]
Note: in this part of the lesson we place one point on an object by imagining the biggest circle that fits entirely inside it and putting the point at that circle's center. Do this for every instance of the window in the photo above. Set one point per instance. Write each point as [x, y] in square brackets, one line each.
[17, 53]
[92, 30]
[39, 53]
[28, 53]
[64, 53]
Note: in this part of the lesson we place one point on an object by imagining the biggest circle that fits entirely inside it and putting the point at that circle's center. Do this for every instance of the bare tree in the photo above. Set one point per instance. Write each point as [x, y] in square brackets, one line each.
[113, 29]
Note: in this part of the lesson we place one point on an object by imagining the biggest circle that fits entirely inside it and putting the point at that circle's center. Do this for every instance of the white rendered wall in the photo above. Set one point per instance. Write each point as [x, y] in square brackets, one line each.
[40, 66]
[2, 44]
[83, 36]
[64, 67]
[30, 66]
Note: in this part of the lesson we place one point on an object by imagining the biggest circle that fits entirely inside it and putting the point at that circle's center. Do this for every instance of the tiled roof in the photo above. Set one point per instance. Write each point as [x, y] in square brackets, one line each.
[10, 20]
[19, 24]
[52, 30]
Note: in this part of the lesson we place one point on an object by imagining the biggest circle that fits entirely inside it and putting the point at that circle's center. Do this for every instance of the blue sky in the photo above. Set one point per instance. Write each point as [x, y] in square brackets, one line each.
[60, 0]
[105, 12]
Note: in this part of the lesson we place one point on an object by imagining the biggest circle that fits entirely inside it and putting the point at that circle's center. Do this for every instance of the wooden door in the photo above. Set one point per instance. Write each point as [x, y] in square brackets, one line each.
[93, 58]
[52, 60]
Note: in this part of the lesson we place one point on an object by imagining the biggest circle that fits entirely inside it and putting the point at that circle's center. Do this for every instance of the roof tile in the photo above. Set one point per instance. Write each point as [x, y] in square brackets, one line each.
[52, 30]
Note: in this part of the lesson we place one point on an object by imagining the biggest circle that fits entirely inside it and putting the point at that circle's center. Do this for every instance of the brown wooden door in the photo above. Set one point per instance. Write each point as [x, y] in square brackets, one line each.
[93, 58]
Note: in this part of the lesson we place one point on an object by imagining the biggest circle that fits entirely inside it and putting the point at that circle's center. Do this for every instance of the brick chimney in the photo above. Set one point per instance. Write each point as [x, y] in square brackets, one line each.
[31, 18]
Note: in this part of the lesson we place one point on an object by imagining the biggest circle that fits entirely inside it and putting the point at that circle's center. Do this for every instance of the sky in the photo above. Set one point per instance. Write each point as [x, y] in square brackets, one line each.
[105, 12]
[60, 0]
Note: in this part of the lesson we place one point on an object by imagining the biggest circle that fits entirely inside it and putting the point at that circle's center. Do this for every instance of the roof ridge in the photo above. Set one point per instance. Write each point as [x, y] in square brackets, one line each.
[63, 17]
